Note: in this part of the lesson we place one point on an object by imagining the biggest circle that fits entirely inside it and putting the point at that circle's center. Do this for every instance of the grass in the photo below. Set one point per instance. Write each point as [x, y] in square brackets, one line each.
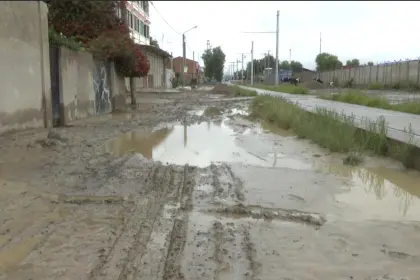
[285, 88]
[331, 130]
[241, 92]
[360, 98]
[212, 111]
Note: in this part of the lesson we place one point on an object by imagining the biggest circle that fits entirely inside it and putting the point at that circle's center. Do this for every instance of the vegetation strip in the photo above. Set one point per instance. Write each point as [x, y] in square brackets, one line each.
[332, 130]
[360, 98]
[285, 88]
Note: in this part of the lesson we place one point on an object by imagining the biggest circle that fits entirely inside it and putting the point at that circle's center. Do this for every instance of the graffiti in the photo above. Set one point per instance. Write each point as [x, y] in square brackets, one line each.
[101, 87]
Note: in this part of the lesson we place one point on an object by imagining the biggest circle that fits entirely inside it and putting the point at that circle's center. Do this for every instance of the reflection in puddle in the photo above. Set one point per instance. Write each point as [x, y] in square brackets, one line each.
[380, 193]
[198, 144]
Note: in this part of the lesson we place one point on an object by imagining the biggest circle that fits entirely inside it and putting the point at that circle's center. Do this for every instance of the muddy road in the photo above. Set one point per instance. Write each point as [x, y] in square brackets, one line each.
[175, 190]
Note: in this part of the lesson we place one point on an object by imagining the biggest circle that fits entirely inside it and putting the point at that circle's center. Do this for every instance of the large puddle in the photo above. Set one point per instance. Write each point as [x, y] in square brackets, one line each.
[198, 144]
[361, 193]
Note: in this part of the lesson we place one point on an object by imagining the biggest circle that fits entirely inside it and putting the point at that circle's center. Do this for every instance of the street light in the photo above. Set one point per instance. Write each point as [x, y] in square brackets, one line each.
[184, 54]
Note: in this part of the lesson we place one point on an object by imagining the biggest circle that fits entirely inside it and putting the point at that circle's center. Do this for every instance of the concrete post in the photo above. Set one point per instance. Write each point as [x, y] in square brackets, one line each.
[45, 64]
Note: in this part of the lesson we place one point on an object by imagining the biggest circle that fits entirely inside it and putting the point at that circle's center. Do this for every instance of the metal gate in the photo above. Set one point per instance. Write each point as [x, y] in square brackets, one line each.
[101, 86]
[55, 84]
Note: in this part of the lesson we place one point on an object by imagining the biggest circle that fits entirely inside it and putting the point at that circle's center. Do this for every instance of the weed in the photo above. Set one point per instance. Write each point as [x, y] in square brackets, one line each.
[360, 98]
[212, 111]
[405, 153]
[285, 88]
[376, 86]
[238, 91]
[330, 129]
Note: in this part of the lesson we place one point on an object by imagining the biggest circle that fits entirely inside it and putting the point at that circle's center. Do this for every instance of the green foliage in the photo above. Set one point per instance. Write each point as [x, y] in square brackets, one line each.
[214, 61]
[354, 62]
[296, 66]
[285, 88]
[376, 86]
[370, 63]
[61, 40]
[331, 130]
[241, 92]
[360, 98]
[83, 20]
[327, 62]
[154, 42]
[270, 62]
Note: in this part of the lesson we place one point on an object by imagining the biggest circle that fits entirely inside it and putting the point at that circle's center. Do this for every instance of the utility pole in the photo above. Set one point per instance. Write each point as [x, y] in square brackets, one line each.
[242, 71]
[276, 80]
[183, 60]
[252, 63]
[320, 42]
[290, 59]
[194, 66]
[233, 69]
[237, 67]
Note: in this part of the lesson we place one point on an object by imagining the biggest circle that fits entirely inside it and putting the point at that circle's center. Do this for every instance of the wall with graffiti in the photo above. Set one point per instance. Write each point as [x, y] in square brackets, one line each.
[85, 86]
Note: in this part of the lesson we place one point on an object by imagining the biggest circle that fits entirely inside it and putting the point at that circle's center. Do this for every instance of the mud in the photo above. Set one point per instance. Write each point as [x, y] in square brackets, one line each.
[165, 191]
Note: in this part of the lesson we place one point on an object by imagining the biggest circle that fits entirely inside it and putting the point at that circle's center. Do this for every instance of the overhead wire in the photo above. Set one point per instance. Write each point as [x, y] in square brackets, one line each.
[170, 26]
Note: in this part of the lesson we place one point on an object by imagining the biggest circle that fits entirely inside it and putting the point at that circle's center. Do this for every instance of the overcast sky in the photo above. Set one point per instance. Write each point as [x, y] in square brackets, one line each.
[369, 31]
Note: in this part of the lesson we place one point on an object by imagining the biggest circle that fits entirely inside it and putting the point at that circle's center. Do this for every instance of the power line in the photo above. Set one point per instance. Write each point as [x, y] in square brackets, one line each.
[259, 32]
[164, 19]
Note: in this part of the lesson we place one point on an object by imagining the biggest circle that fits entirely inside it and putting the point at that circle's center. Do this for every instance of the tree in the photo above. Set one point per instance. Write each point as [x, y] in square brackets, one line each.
[354, 62]
[214, 61]
[370, 63]
[96, 25]
[327, 62]
[154, 42]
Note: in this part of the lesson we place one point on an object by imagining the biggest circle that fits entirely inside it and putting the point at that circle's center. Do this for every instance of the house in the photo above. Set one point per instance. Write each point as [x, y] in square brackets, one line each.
[137, 13]
[157, 76]
[192, 67]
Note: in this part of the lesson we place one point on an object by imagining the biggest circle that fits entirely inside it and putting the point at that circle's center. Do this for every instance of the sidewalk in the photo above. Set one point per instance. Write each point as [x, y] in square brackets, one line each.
[396, 121]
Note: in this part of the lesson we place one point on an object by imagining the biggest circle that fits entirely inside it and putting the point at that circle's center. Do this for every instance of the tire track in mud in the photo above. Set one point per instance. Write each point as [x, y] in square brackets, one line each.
[251, 255]
[134, 234]
[178, 237]
[225, 183]
[130, 254]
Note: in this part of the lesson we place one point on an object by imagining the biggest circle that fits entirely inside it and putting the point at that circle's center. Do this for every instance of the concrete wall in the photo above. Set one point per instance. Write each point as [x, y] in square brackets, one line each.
[404, 71]
[25, 77]
[76, 83]
[77, 93]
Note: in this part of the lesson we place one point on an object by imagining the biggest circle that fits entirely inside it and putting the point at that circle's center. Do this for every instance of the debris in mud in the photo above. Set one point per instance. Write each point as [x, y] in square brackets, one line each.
[212, 111]
[257, 212]
[352, 159]
[86, 199]
[223, 89]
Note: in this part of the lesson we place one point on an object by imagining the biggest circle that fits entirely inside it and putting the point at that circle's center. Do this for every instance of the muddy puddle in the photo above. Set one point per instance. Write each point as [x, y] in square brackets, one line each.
[197, 144]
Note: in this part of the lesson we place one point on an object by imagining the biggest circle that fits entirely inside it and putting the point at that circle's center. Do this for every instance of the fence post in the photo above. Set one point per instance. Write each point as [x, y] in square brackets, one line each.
[407, 78]
[370, 74]
[418, 71]
[399, 71]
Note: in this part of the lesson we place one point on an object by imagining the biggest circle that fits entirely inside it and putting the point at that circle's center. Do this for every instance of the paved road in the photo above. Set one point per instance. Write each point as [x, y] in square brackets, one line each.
[396, 121]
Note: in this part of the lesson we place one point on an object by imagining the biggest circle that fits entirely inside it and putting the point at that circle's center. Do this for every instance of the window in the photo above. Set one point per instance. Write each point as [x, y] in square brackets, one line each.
[137, 24]
[142, 28]
[146, 7]
[146, 31]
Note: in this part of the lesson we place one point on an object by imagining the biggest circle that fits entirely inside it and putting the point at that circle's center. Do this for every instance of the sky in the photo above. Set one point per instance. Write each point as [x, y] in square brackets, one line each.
[370, 31]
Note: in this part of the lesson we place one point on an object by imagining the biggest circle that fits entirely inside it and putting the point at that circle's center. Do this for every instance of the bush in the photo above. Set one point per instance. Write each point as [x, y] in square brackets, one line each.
[285, 88]
[376, 86]
[60, 40]
[133, 64]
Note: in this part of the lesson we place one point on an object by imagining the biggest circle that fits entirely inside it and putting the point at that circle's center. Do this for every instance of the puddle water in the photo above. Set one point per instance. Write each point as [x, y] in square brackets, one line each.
[198, 144]
[381, 193]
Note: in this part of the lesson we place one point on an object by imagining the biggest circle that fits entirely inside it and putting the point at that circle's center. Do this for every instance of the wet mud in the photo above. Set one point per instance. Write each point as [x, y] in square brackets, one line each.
[166, 191]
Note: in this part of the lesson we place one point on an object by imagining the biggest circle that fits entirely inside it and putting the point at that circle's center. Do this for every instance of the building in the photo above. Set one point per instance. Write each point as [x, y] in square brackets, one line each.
[193, 68]
[138, 21]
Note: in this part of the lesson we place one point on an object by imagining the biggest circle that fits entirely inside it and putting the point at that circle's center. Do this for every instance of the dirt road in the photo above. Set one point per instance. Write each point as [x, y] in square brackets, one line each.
[174, 190]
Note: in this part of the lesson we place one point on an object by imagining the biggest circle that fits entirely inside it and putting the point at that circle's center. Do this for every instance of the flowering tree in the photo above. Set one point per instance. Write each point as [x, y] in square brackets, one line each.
[134, 65]
[96, 25]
